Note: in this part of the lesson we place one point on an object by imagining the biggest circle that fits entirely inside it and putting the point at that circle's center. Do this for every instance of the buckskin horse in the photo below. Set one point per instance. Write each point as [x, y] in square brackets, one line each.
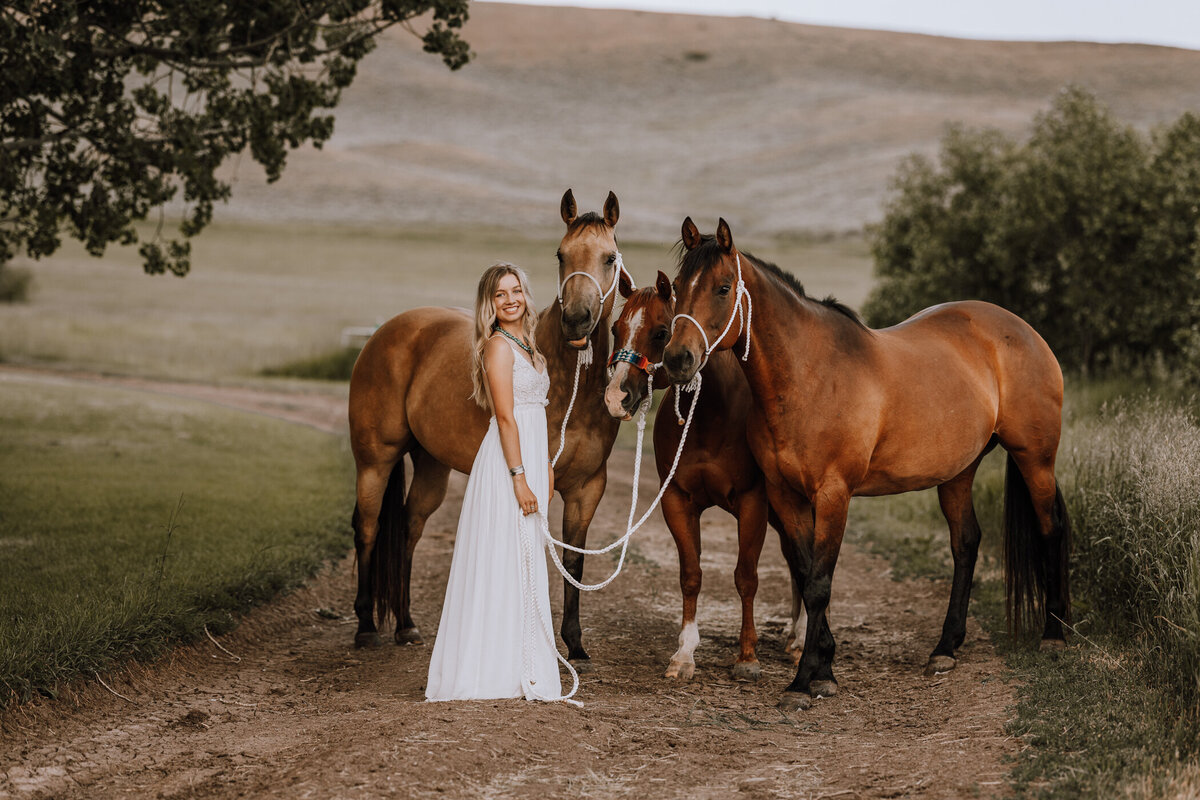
[716, 467]
[410, 393]
[842, 410]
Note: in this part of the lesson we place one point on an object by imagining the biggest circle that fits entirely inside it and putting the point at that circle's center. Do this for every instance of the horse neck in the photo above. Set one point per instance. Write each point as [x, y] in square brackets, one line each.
[794, 340]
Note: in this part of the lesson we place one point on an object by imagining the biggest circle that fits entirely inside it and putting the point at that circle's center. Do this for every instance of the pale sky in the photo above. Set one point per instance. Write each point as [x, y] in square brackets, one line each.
[1167, 22]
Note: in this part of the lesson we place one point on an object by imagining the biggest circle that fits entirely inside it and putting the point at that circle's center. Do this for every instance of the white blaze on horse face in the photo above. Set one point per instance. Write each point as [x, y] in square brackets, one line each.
[614, 395]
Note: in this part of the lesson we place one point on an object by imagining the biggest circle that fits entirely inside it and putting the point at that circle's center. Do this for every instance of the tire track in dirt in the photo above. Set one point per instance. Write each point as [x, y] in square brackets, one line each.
[303, 714]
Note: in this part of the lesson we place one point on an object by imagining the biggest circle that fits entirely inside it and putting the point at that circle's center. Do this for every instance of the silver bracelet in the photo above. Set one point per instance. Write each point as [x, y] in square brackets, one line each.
[517, 470]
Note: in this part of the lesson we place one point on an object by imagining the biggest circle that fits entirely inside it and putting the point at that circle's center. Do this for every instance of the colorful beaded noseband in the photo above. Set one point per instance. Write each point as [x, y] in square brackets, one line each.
[630, 357]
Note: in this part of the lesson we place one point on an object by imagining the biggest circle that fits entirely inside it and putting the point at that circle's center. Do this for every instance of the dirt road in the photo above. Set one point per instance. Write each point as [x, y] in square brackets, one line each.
[287, 708]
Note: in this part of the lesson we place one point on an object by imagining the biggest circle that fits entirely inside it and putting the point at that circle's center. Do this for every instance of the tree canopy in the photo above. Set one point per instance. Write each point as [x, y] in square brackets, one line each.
[110, 109]
[1090, 230]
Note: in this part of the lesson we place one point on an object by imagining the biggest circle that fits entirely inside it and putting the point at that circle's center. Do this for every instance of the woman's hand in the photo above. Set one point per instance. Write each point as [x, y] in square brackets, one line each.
[526, 499]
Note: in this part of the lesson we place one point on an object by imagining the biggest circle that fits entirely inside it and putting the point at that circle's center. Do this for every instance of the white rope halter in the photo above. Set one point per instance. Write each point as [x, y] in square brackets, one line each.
[585, 356]
[620, 268]
[744, 317]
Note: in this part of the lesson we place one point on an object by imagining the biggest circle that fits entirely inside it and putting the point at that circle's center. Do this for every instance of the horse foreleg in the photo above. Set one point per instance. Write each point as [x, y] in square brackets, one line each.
[794, 644]
[579, 506]
[955, 499]
[425, 494]
[752, 530]
[683, 520]
[814, 675]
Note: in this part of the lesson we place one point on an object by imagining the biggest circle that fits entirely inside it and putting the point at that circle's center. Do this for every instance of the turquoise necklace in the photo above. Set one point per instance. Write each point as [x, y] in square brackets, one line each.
[520, 344]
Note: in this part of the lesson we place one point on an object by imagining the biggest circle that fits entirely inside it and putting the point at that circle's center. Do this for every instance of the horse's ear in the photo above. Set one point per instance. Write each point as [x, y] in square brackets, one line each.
[690, 235]
[612, 211]
[567, 209]
[724, 237]
[624, 285]
[663, 286]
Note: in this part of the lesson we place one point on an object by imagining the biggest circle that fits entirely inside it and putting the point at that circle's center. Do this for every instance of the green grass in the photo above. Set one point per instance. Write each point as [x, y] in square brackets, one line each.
[1117, 713]
[129, 521]
[260, 296]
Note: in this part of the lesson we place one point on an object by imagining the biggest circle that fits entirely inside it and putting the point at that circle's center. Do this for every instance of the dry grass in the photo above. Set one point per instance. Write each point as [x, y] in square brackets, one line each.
[776, 126]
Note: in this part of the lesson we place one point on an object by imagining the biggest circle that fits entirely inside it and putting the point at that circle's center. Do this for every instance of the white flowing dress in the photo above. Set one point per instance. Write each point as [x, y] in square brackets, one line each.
[495, 638]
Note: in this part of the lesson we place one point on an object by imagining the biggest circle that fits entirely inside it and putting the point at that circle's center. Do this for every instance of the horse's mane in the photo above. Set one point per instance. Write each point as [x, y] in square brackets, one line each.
[708, 252]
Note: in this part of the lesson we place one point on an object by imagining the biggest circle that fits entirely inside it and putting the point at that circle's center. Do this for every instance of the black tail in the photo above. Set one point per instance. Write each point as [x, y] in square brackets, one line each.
[1036, 566]
[388, 560]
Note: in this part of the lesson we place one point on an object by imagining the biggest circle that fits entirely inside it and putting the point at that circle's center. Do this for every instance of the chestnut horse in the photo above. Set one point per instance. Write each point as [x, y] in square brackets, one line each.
[715, 468]
[410, 392]
[842, 410]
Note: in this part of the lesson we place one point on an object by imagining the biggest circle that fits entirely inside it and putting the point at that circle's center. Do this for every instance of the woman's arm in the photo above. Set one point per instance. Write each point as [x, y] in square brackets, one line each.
[497, 366]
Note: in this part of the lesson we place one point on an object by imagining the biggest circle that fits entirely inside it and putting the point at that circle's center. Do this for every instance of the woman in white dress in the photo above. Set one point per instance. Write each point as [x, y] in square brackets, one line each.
[496, 639]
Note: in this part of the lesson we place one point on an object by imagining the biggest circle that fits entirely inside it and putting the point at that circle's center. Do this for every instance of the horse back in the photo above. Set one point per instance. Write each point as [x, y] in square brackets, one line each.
[412, 385]
[941, 384]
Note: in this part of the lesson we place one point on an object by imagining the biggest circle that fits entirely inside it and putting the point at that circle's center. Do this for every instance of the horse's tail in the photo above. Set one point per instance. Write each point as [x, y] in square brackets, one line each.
[389, 559]
[1036, 566]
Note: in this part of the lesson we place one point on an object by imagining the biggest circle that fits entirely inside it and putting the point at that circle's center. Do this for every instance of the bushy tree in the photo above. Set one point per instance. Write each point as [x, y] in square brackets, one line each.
[111, 108]
[1088, 230]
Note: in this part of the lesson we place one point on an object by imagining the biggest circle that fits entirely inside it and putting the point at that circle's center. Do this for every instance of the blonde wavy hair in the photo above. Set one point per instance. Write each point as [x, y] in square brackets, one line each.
[485, 318]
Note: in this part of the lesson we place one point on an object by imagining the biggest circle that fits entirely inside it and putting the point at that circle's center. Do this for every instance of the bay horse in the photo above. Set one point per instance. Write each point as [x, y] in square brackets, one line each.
[842, 410]
[410, 393]
[716, 467]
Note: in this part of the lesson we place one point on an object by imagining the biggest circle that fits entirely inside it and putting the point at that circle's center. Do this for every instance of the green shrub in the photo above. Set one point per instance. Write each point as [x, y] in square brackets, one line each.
[1090, 231]
[14, 284]
[336, 365]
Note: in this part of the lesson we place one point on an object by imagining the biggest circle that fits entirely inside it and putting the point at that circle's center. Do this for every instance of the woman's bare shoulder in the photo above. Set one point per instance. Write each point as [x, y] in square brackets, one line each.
[496, 352]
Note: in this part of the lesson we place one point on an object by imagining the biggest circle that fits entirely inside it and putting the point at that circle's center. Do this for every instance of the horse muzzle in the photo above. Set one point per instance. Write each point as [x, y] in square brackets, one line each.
[577, 325]
[680, 364]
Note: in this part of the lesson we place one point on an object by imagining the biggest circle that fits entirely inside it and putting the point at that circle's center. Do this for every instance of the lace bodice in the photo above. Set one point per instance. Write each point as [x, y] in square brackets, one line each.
[530, 386]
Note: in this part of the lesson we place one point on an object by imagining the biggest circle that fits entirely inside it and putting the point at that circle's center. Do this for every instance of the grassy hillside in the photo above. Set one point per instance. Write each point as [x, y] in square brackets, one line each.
[776, 126]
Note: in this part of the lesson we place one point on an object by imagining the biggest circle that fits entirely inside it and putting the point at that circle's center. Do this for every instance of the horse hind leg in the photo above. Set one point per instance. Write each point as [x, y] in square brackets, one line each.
[683, 520]
[1037, 543]
[959, 510]
[425, 495]
[752, 530]
[376, 488]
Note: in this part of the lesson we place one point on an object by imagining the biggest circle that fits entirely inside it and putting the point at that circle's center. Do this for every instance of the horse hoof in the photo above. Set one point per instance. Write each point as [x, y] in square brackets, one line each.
[746, 671]
[683, 670]
[367, 639]
[939, 664]
[409, 636]
[1052, 646]
[794, 701]
[582, 665]
[823, 688]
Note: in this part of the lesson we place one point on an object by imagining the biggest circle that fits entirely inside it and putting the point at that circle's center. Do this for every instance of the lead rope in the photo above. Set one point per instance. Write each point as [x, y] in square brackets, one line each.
[584, 358]
[631, 527]
[745, 317]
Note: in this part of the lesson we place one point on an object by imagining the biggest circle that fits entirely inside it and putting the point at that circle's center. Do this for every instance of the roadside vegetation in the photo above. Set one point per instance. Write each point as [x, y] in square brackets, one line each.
[130, 522]
[1090, 230]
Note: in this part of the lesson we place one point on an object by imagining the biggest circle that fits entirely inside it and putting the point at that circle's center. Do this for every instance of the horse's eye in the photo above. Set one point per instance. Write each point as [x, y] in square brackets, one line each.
[612, 259]
[614, 330]
[660, 335]
[724, 290]
[559, 257]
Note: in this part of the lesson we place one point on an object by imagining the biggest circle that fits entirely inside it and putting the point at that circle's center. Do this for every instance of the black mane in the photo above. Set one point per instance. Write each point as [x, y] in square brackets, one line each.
[588, 219]
[708, 252]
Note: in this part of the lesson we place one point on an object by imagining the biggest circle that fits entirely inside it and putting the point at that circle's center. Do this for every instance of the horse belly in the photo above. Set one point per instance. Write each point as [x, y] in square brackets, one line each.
[930, 457]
